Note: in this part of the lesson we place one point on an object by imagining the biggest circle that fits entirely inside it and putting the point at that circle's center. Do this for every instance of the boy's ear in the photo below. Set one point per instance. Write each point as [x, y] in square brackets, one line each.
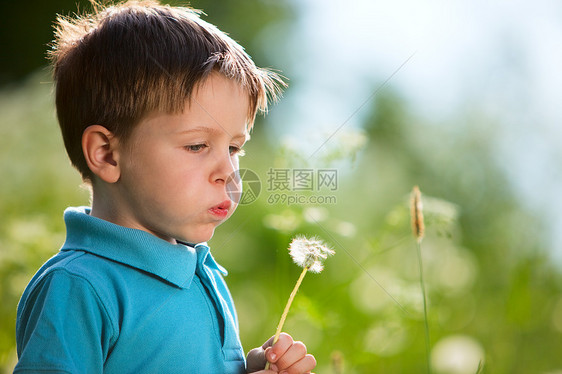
[100, 149]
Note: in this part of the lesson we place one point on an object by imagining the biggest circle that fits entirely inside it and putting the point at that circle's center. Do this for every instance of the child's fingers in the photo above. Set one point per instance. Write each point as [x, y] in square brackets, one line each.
[278, 349]
[305, 365]
[296, 359]
[288, 356]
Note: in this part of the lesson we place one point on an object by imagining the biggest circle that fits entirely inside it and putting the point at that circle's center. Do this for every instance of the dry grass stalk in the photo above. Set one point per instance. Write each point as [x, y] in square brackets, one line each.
[416, 207]
[418, 229]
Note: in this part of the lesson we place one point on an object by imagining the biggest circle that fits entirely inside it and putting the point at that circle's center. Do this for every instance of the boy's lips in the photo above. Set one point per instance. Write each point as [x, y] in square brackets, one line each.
[221, 210]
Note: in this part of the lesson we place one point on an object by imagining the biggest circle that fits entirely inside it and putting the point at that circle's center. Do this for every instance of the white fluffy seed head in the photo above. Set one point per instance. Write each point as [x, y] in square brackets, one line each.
[309, 253]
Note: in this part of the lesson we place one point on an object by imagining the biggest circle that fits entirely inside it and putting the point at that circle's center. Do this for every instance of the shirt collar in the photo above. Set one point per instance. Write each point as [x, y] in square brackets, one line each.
[175, 263]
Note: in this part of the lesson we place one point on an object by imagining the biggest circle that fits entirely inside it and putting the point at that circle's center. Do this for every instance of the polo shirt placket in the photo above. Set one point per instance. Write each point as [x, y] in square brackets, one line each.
[205, 263]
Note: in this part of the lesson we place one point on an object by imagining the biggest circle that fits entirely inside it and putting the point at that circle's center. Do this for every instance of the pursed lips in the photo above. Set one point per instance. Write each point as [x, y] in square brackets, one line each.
[221, 210]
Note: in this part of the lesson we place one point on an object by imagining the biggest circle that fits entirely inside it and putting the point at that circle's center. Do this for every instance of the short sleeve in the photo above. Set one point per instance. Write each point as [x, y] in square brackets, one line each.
[62, 327]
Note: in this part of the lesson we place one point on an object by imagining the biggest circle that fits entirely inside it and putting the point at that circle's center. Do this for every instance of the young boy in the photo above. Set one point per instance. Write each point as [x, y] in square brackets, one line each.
[154, 106]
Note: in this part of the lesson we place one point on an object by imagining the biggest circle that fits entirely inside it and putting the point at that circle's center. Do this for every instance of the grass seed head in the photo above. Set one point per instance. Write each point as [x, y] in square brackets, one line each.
[416, 208]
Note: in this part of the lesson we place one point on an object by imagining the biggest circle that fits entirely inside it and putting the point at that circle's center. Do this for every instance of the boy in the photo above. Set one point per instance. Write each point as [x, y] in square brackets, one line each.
[154, 106]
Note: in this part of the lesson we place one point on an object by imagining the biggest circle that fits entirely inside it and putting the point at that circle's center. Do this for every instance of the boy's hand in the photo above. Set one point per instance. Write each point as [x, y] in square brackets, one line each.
[286, 356]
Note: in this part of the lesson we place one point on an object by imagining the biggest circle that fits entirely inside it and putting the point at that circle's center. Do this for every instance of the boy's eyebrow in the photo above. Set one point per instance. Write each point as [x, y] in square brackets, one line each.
[211, 130]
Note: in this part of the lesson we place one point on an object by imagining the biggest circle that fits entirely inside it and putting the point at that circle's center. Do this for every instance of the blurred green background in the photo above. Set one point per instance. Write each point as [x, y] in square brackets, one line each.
[492, 277]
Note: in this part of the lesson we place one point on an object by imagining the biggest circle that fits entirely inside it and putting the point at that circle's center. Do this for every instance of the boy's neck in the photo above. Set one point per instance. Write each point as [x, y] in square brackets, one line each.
[105, 206]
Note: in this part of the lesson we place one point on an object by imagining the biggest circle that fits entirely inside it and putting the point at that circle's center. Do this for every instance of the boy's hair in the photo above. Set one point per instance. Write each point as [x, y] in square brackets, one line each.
[120, 63]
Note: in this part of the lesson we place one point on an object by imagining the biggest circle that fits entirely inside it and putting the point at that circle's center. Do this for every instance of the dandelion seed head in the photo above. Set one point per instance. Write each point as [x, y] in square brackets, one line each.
[309, 253]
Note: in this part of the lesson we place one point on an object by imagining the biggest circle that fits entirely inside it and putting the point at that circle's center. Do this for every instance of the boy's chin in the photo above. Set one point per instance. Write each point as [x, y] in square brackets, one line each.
[196, 239]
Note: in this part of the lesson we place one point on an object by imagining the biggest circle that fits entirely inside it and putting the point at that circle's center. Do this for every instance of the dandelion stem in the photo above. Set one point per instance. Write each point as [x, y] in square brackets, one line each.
[286, 311]
[422, 285]
[287, 307]
[308, 254]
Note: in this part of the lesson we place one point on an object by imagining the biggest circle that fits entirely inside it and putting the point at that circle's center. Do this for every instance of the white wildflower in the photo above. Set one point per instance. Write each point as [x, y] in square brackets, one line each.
[309, 253]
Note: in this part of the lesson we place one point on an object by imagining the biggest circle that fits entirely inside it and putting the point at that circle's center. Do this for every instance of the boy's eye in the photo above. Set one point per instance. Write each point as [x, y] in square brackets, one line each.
[195, 147]
[234, 150]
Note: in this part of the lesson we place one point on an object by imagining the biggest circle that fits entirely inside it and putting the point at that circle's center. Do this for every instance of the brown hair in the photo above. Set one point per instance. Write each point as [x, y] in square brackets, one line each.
[121, 62]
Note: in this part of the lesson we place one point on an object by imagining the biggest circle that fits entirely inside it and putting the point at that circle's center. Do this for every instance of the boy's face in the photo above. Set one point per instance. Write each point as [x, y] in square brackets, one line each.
[175, 168]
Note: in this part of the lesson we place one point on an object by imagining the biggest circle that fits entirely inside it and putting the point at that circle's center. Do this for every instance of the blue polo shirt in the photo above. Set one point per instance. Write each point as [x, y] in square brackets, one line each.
[120, 300]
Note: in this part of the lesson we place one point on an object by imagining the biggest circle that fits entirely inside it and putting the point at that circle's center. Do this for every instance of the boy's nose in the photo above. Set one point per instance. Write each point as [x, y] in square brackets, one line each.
[224, 169]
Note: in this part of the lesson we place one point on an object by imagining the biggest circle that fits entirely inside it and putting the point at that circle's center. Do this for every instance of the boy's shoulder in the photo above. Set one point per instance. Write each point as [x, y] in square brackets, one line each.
[74, 264]
[62, 293]
[74, 279]
[78, 267]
